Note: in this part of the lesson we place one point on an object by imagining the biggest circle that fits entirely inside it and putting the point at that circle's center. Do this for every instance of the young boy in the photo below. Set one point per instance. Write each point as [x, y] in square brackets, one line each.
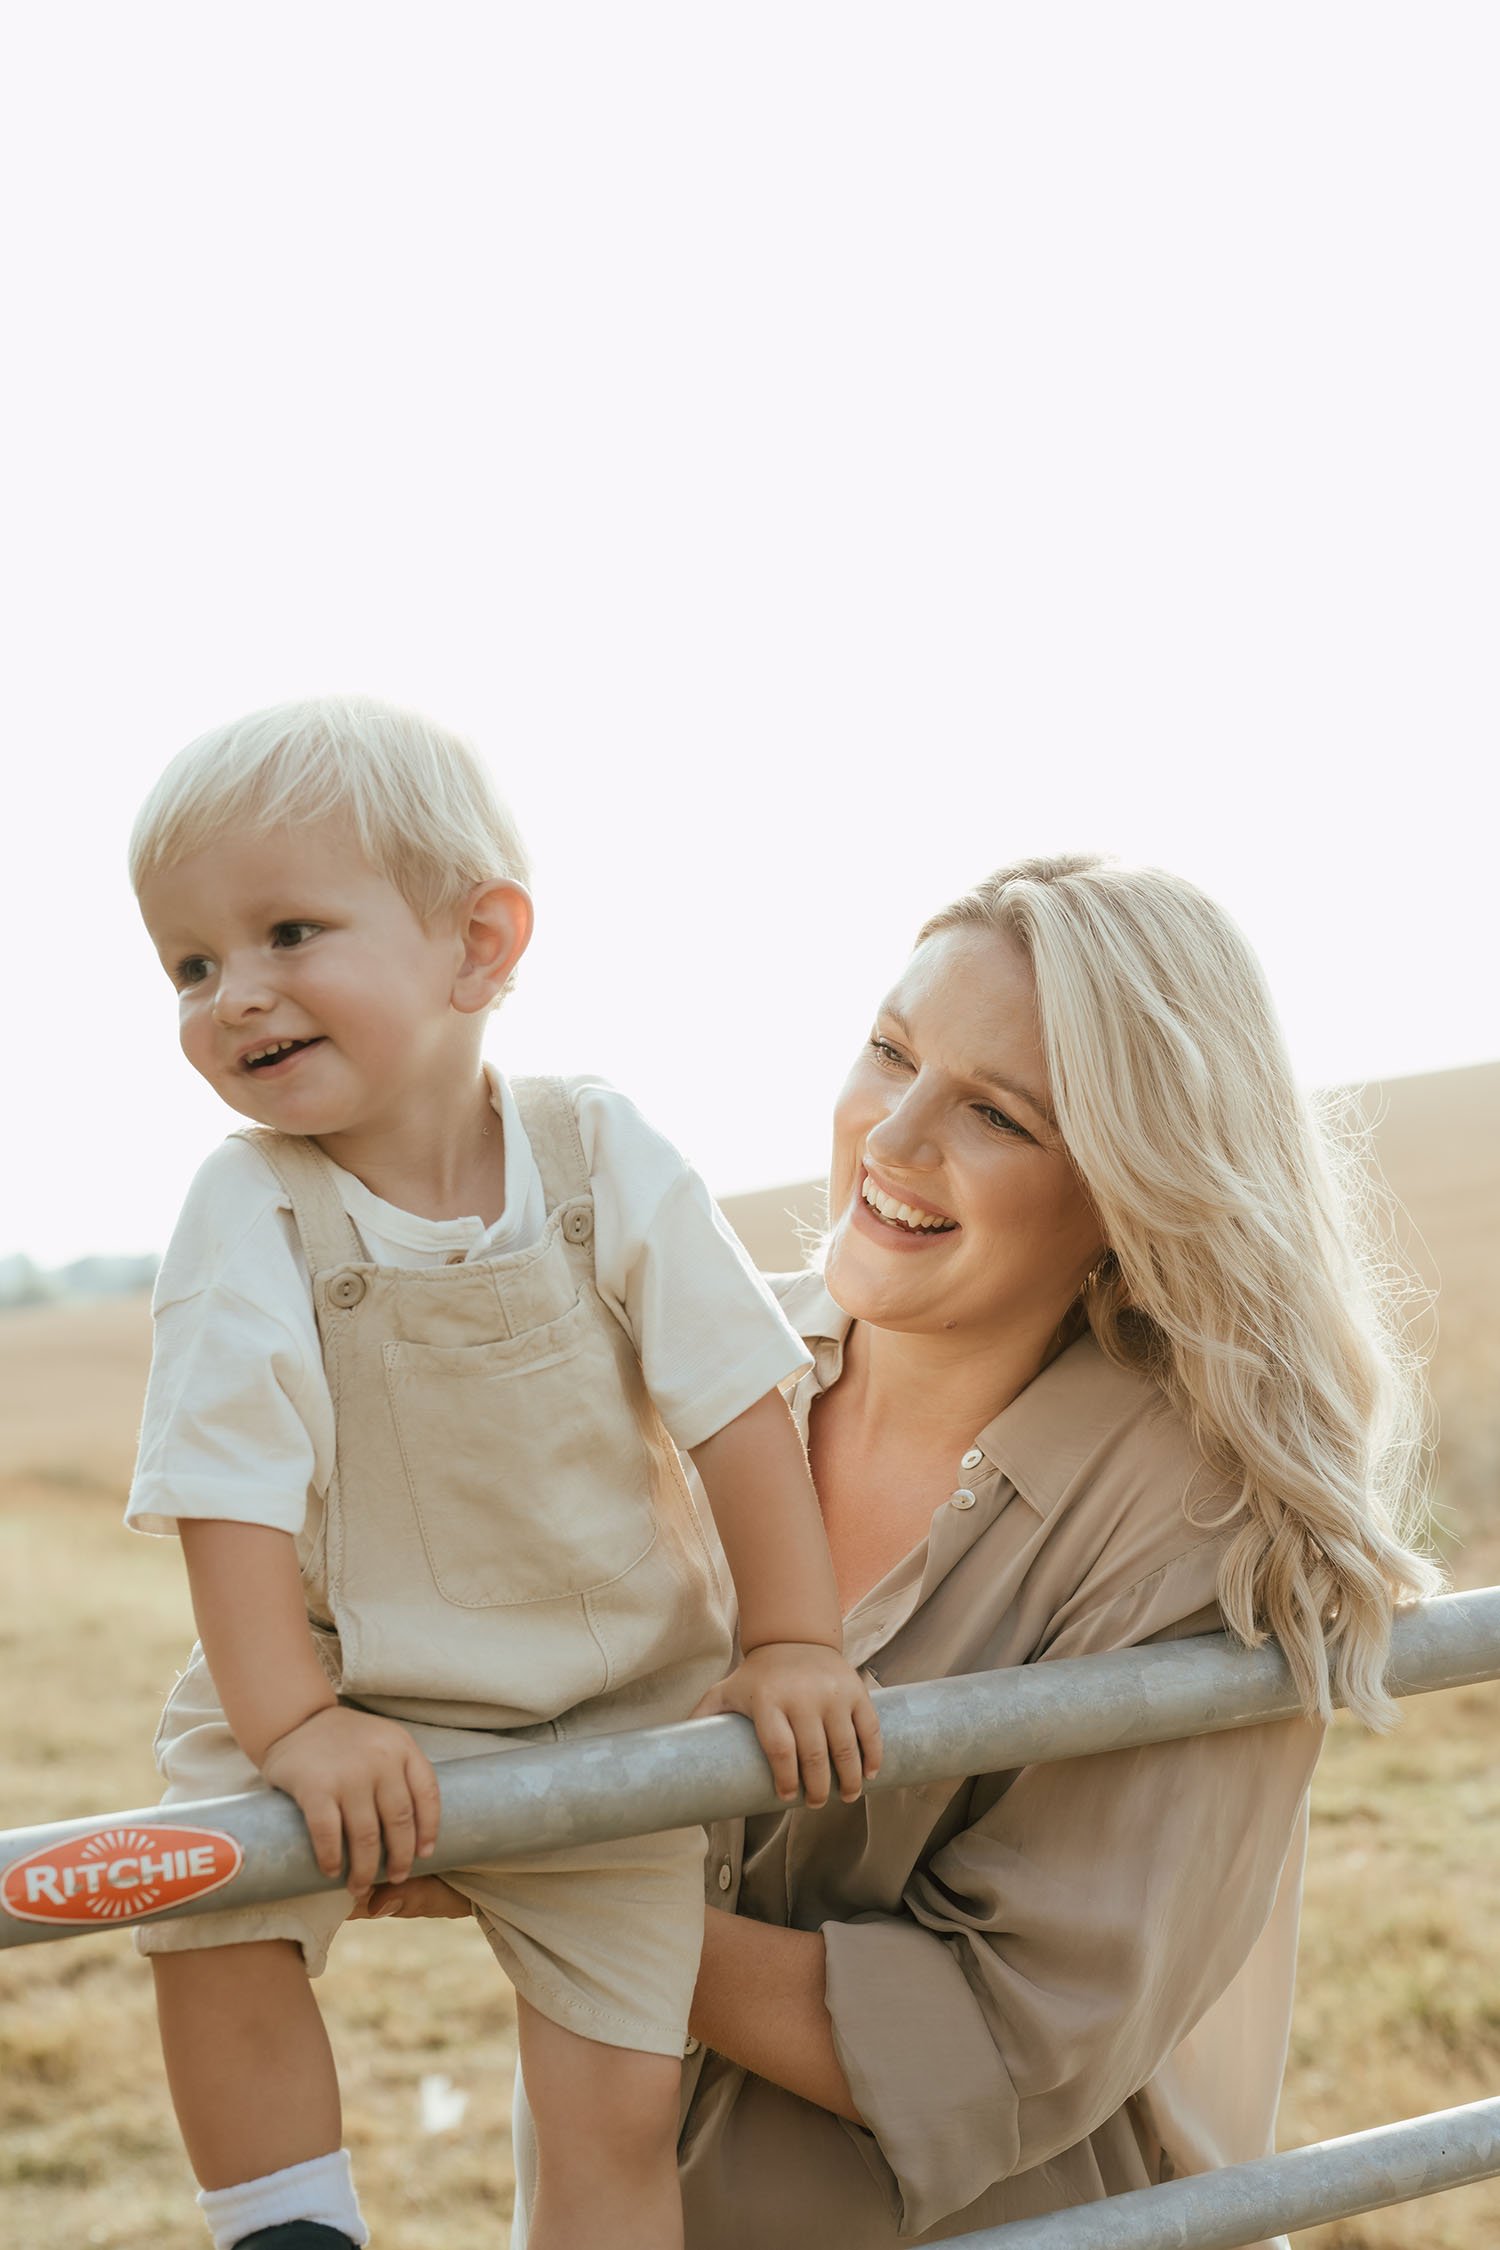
[424, 1343]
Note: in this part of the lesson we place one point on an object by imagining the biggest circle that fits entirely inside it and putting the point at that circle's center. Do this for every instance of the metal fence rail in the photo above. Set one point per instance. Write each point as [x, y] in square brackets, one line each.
[1246, 2202]
[535, 1799]
[66, 1878]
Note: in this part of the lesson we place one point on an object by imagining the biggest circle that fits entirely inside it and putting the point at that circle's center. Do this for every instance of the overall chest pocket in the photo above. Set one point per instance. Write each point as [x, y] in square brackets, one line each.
[523, 1460]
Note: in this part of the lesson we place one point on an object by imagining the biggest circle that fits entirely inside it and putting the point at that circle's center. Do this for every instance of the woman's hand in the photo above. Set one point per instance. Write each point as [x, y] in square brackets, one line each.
[361, 1782]
[812, 1713]
[421, 1898]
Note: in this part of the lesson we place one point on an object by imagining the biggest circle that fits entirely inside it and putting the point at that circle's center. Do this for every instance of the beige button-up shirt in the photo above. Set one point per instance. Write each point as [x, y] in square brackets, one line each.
[1048, 1985]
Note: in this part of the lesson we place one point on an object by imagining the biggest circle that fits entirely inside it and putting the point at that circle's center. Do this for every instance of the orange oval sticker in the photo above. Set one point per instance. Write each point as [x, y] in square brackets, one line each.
[118, 1874]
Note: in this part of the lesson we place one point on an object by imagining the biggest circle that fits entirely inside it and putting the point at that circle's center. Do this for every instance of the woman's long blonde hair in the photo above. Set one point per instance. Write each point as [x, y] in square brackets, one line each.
[1242, 1272]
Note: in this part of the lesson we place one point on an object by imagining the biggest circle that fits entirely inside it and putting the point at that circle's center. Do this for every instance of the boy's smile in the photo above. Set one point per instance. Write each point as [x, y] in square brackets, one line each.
[310, 995]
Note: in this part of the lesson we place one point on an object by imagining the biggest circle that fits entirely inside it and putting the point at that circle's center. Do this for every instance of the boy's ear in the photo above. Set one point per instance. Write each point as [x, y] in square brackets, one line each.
[495, 927]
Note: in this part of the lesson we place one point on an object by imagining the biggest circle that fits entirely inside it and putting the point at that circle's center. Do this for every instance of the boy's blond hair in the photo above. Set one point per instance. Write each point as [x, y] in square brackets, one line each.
[426, 814]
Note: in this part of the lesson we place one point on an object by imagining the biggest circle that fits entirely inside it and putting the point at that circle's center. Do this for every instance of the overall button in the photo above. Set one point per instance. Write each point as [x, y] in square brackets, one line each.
[726, 1876]
[972, 1458]
[346, 1290]
[963, 1498]
[578, 1225]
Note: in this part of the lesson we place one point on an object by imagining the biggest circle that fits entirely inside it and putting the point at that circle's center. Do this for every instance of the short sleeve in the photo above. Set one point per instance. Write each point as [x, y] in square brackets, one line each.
[711, 1337]
[237, 1422]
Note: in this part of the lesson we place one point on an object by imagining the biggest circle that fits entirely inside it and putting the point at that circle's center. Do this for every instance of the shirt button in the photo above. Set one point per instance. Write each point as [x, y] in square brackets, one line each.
[455, 1257]
[726, 1876]
[346, 1290]
[692, 2047]
[972, 1458]
[963, 1498]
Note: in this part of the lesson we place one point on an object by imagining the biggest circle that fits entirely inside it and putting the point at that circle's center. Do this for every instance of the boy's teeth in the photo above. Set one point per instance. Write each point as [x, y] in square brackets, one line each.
[920, 1222]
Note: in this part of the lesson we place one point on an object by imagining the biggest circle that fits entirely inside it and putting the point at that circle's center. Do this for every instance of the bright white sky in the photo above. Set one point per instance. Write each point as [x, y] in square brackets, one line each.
[820, 451]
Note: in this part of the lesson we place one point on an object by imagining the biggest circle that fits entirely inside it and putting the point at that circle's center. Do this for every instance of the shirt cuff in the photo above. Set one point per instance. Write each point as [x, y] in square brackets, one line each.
[157, 1506]
[729, 1393]
[925, 2073]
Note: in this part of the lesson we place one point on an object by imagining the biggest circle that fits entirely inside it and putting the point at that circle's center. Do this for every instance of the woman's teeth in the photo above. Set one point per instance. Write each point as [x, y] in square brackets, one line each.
[920, 1222]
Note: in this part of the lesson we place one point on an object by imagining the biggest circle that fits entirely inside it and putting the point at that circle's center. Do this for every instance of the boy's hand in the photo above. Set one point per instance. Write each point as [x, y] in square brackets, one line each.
[360, 1780]
[812, 1712]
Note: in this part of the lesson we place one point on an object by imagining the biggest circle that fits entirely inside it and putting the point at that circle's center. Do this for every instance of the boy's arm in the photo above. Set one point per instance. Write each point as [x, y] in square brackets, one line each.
[356, 1778]
[809, 1705]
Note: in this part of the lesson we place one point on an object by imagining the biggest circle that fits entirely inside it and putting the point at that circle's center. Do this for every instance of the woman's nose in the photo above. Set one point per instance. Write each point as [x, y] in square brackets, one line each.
[906, 1135]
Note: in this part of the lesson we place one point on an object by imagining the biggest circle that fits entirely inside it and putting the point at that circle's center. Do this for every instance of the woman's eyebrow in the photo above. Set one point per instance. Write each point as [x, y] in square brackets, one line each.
[986, 1077]
[1017, 1093]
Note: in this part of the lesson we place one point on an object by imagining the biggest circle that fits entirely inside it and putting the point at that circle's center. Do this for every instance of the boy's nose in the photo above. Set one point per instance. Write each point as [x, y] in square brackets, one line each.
[239, 997]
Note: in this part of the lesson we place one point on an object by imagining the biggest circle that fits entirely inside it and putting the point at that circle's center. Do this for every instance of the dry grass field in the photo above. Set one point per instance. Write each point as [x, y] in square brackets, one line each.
[1399, 1996]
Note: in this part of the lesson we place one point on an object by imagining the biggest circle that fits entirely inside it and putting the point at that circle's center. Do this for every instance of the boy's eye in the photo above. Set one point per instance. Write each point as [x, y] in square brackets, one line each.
[288, 934]
[191, 971]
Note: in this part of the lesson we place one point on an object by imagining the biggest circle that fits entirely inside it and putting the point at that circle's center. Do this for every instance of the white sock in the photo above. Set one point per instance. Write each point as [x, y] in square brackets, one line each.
[321, 2189]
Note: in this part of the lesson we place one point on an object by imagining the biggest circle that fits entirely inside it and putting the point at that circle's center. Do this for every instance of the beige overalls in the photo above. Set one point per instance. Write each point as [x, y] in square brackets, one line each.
[507, 1548]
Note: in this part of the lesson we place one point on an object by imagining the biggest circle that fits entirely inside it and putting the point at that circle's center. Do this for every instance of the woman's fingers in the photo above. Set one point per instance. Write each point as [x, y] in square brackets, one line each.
[420, 1898]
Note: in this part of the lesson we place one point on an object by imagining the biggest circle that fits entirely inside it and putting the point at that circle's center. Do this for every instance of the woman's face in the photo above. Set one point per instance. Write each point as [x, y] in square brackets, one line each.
[955, 1205]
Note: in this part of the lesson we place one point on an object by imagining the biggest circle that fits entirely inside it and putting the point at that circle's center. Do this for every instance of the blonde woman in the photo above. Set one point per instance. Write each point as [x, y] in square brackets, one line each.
[1097, 1362]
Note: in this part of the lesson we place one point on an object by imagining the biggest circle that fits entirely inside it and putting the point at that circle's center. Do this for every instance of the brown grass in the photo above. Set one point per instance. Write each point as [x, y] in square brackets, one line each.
[1399, 1992]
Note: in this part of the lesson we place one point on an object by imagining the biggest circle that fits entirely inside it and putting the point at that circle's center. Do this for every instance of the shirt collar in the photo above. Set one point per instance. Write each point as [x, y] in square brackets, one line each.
[1041, 1441]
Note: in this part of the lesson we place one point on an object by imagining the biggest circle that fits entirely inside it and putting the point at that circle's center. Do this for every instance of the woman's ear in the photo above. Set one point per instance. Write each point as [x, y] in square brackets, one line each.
[494, 925]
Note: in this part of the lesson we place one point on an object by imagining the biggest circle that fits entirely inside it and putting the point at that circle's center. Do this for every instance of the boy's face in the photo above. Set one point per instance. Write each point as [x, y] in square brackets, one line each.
[311, 998]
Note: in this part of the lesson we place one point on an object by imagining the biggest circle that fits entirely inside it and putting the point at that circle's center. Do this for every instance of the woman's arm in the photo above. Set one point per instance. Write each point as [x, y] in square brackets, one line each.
[759, 2002]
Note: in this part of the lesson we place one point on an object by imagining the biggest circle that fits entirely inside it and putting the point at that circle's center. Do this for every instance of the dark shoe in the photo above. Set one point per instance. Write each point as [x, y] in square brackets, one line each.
[296, 2234]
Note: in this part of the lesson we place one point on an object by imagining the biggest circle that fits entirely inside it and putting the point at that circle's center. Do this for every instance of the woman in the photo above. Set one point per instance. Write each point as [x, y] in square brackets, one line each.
[1096, 1363]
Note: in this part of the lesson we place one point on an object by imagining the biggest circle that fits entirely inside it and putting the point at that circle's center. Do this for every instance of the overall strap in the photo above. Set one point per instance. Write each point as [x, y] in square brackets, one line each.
[329, 1236]
[546, 1106]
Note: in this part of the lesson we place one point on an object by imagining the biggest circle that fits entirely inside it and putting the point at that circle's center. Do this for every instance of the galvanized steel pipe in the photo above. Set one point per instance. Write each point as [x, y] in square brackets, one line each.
[536, 1799]
[1275, 2195]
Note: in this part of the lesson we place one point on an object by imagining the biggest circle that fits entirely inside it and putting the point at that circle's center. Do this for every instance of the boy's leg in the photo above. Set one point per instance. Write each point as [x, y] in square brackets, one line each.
[248, 2061]
[606, 2139]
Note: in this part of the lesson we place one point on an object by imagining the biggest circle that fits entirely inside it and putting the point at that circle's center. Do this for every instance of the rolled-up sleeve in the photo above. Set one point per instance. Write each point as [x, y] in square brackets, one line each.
[1052, 1954]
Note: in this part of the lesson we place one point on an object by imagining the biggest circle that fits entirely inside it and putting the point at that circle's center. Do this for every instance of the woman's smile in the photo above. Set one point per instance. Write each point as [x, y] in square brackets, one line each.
[905, 1219]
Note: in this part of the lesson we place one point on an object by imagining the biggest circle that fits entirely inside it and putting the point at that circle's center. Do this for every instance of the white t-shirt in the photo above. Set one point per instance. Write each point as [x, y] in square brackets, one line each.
[238, 1420]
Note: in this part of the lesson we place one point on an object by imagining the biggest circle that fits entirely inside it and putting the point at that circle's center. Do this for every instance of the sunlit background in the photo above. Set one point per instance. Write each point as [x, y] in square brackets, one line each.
[818, 451]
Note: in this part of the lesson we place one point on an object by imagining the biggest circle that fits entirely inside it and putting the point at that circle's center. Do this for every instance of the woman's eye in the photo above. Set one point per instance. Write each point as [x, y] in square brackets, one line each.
[1001, 1122]
[287, 934]
[884, 1052]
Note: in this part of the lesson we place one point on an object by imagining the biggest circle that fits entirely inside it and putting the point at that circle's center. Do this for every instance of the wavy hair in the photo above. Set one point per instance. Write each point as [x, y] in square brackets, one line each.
[1243, 1271]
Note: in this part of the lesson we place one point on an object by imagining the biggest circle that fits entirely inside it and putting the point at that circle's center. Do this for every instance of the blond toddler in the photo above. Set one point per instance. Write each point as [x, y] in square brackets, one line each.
[427, 1346]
